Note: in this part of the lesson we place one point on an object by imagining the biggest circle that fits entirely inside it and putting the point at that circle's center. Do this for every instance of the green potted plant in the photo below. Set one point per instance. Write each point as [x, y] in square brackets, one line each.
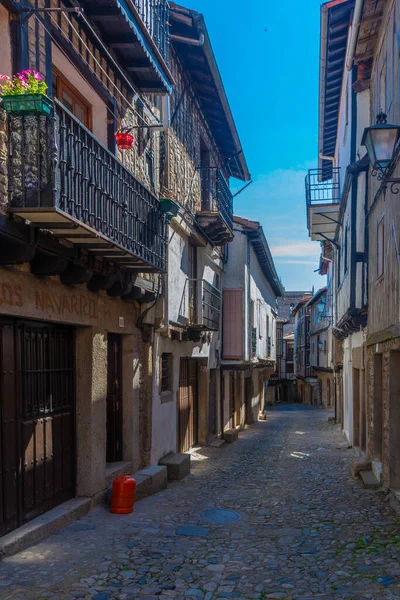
[170, 207]
[25, 93]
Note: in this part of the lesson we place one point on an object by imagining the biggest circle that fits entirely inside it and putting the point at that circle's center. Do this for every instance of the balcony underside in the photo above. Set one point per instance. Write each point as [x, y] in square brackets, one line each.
[323, 220]
[214, 227]
[80, 235]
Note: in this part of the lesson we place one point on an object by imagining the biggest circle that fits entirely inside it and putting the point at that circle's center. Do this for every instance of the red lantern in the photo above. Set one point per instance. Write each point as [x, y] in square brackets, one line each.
[124, 140]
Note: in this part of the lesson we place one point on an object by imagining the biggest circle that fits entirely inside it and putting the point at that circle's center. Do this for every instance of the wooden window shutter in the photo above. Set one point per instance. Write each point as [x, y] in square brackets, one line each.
[233, 324]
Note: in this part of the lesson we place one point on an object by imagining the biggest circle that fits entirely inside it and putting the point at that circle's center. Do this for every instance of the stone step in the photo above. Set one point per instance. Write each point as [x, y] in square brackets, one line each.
[231, 435]
[218, 443]
[369, 480]
[178, 465]
[38, 529]
[150, 481]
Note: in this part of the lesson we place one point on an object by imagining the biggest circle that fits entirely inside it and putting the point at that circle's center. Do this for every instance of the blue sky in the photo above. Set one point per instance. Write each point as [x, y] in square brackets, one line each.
[271, 79]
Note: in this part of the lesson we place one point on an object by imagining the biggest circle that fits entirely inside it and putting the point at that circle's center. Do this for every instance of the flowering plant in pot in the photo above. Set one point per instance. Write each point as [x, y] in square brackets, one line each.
[169, 206]
[25, 93]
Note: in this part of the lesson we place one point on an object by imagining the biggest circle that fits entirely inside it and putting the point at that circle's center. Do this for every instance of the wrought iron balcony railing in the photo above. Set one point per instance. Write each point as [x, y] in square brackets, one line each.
[154, 14]
[320, 191]
[269, 346]
[204, 304]
[61, 178]
[253, 341]
[216, 214]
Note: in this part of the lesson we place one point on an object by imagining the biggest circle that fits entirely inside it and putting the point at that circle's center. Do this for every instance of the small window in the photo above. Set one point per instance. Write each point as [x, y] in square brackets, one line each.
[380, 254]
[166, 366]
[150, 167]
[71, 99]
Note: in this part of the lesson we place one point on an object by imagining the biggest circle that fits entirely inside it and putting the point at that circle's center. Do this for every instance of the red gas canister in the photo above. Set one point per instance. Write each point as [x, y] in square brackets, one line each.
[123, 495]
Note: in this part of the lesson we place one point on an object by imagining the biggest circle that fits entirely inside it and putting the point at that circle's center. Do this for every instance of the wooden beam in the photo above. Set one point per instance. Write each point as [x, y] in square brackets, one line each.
[76, 274]
[45, 264]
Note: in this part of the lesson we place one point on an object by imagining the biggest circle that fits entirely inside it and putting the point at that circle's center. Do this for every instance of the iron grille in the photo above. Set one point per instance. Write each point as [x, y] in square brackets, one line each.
[154, 14]
[269, 346]
[253, 341]
[46, 368]
[58, 163]
[204, 303]
[320, 190]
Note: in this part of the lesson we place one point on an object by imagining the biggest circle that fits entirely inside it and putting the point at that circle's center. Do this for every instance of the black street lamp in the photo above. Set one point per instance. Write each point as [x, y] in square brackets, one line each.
[381, 142]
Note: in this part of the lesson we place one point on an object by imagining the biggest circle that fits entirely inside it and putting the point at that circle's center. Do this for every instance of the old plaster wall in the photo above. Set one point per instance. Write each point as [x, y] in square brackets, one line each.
[383, 408]
[165, 405]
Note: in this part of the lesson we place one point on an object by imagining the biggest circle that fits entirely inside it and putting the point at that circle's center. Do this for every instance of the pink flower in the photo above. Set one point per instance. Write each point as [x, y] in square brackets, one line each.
[5, 78]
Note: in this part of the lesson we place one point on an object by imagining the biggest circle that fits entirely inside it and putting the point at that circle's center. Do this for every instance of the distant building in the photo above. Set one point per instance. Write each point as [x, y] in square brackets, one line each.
[286, 305]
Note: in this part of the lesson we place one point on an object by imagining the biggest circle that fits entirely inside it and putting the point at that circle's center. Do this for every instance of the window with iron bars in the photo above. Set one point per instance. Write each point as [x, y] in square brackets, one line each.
[166, 372]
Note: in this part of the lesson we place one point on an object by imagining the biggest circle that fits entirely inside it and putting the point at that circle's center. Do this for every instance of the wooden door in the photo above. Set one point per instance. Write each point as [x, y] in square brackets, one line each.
[114, 398]
[9, 456]
[45, 369]
[188, 405]
[248, 391]
[232, 398]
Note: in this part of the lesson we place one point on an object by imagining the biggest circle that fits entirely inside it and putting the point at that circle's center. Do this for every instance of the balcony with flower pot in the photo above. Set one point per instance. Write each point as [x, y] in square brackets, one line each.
[63, 180]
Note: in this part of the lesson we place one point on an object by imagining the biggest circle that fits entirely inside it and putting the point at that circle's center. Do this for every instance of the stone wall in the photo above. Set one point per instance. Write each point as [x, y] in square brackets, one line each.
[188, 127]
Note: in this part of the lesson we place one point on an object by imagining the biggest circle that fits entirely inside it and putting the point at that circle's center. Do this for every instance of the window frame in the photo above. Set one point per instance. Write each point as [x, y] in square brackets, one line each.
[63, 84]
[166, 386]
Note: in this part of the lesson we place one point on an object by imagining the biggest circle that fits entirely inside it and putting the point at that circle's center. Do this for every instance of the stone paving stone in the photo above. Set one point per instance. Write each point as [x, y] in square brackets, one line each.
[307, 530]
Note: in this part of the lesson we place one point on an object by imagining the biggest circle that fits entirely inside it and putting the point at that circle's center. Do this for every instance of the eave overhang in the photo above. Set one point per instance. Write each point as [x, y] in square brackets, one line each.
[124, 32]
[255, 233]
[201, 67]
[335, 22]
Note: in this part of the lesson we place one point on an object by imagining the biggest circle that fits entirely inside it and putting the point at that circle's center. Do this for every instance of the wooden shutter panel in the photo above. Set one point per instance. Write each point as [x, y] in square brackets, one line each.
[233, 324]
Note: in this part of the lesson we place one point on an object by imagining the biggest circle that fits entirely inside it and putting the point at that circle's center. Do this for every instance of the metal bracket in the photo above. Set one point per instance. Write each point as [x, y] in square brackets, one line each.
[32, 11]
[330, 218]
[328, 239]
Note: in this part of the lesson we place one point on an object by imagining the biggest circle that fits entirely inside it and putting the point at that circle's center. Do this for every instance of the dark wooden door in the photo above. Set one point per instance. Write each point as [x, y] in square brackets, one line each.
[37, 429]
[232, 396]
[45, 369]
[248, 393]
[114, 398]
[9, 456]
[188, 406]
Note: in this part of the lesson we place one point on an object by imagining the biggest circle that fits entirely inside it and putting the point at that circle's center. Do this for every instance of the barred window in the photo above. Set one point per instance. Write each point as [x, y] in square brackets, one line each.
[166, 367]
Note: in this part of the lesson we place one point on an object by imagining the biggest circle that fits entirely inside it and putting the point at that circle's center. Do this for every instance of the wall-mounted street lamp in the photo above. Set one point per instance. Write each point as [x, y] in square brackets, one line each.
[381, 142]
[322, 316]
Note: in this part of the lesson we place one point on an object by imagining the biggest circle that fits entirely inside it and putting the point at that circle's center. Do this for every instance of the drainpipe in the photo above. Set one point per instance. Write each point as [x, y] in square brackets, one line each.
[190, 41]
[355, 28]
[248, 301]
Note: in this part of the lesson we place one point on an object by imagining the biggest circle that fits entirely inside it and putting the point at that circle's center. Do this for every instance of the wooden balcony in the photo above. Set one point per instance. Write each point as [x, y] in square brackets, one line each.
[323, 203]
[216, 215]
[137, 31]
[63, 180]
[204, 301]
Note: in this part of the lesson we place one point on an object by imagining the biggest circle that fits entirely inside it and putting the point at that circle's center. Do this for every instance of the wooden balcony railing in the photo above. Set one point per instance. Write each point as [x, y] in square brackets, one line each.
[216, 215]
[205, 301]
[61, 178]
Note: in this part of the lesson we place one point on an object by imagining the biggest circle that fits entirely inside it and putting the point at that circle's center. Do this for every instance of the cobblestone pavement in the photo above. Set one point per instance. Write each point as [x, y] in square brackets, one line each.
[307, 529]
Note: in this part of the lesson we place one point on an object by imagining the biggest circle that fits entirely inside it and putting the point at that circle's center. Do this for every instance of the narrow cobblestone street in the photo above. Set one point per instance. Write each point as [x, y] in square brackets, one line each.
[307, 529]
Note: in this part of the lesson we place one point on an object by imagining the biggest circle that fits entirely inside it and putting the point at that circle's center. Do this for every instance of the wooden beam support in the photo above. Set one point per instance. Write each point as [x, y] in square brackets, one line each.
[101, 282]
[14, 252]
[76, 274]
[45, 264]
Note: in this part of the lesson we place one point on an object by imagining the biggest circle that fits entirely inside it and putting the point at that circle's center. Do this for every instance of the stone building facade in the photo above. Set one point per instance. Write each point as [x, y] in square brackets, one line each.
[78, 280]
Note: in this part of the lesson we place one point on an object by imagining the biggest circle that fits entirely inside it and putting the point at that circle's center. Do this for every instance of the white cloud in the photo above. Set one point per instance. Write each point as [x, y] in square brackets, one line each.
[296, 249]
[296, 262]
